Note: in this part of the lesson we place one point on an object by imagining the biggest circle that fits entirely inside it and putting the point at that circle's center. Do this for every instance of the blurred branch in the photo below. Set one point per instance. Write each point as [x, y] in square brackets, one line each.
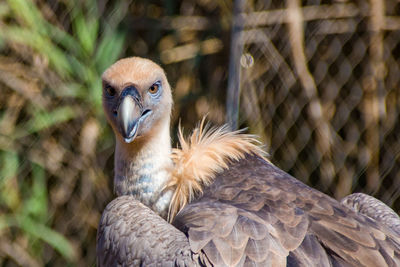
[193, 23]
[374, 99]
[336, 26]
[188, 51]
[282, 16]
[391, 23]
[296, 38]
[21, 79]
[17, 254]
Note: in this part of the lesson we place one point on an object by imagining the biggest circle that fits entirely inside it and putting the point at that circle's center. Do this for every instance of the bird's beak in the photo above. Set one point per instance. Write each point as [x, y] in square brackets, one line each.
[130, 114]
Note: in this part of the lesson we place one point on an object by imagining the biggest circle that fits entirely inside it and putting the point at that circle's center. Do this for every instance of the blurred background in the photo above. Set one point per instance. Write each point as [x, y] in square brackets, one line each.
[317, 80]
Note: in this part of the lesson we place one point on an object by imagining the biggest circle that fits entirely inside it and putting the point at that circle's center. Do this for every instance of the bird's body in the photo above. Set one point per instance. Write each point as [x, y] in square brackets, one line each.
[235, 207]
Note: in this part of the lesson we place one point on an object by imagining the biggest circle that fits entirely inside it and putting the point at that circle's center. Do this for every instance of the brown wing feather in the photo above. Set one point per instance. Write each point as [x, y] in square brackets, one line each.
[130, 234]
[255, 214]
[258, 216]
[373, 208]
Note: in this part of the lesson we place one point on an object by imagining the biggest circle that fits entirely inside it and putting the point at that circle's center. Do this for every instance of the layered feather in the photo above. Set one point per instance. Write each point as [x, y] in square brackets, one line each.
[200, 157]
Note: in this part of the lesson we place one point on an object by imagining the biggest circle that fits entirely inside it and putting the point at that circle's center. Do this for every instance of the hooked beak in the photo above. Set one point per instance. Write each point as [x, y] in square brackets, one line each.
[130, 114]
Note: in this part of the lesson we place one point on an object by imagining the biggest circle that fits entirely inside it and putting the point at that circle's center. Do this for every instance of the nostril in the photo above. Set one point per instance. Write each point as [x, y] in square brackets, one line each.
[115, 112]
[145, 112]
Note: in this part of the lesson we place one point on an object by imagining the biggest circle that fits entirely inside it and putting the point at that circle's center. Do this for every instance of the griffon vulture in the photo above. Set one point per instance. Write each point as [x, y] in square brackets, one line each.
[217, 201]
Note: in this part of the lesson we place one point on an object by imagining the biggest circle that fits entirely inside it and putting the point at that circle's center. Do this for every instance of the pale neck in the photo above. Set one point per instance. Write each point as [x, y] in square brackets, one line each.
[142, 168]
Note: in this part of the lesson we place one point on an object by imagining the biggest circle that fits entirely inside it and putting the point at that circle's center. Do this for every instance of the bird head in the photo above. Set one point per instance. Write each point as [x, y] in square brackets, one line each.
[136, 97]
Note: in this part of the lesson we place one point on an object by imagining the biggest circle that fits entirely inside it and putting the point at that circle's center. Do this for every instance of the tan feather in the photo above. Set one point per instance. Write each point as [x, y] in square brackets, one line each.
[206, 152]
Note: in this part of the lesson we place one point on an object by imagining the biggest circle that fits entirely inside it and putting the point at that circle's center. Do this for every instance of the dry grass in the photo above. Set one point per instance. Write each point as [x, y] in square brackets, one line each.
[56, 151]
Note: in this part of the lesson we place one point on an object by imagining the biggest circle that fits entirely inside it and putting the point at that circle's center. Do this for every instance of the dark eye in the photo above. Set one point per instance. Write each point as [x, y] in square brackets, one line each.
[154, 88]
[110, 91]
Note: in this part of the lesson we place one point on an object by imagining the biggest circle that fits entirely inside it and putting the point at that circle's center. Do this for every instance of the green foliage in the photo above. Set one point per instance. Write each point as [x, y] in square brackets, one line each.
[9, 170]
[56, 162]
[76, 57]
[38, 230]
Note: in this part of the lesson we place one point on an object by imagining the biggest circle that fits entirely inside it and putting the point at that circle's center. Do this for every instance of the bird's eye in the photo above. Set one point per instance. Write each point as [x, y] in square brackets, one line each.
[154, 88]
[110, 91]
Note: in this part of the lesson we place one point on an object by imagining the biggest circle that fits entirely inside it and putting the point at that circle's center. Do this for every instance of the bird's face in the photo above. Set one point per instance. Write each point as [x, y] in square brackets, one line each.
[136, 97]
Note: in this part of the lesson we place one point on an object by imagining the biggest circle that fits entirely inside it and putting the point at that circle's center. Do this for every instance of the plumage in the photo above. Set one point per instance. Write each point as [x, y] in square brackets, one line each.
[228, 204]
[373, 208]
[204, 154]
[121, 248]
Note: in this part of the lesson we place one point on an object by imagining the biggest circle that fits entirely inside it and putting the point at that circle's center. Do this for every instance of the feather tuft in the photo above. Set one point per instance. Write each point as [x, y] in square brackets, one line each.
[205, 153]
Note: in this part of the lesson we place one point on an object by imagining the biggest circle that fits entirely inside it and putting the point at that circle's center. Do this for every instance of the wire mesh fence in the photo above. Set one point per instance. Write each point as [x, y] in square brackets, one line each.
[319, 81]
[56, 150]
[319, 84]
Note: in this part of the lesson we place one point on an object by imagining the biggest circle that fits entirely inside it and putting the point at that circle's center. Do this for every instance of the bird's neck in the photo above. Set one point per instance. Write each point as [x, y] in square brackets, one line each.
[142, 168]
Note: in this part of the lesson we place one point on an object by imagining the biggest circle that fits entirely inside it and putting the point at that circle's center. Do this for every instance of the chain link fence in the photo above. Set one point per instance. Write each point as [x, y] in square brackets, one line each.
[56, 149]
[320, 83]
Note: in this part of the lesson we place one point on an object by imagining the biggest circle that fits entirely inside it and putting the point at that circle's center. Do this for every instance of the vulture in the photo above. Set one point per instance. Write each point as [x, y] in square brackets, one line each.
[217, 200]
